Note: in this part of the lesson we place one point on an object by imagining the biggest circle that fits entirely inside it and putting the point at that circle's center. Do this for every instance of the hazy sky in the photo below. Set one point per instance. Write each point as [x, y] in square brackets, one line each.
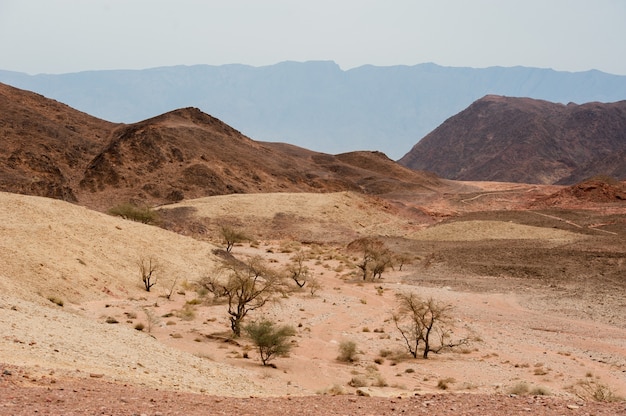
[56, 36]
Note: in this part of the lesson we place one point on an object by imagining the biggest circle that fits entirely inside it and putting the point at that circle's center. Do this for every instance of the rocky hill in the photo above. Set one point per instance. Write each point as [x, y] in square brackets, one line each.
[45, 145]
[49, 149]
[524, 140]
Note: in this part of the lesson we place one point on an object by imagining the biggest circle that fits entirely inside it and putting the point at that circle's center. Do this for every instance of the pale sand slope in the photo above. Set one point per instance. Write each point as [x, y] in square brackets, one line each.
[338, 213]
[51, 248]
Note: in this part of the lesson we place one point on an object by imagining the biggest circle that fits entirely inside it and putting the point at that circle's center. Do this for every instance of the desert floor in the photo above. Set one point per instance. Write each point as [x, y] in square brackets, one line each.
[534, 345]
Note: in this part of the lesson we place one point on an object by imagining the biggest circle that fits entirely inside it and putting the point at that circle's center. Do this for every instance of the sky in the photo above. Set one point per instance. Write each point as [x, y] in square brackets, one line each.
[61, 36]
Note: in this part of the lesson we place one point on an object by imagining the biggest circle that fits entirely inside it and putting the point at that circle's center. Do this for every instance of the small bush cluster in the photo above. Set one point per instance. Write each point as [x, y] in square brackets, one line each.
[132, 212]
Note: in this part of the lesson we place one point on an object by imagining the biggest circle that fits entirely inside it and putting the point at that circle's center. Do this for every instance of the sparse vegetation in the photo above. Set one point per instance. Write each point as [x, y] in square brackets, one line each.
[401, 259]
[347, 352]
[297, 270]
[248, 286]
[444, 383]
[418, 321]
[540, 391]
[170, 291]
[132, 212]
[232, 236]
[375, 256]
[358, 381]
[271, 341]
[187, 313]
[314, 286]
[151, 319]
[148, 269]
[589, 389]
[520, 388]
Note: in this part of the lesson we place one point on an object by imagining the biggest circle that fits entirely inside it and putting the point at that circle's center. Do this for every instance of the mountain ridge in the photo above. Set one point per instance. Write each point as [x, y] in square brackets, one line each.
[316, 104]
[182, 154]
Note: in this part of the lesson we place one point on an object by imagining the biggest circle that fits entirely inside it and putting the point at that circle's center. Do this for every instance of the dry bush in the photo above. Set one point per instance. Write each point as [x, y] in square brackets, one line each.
[314, 286]
[519, 389]
[358, 381]
[444, 383]
[540, 391]
[596, 391]
[334, 390]
[187, 313]
[347, 352]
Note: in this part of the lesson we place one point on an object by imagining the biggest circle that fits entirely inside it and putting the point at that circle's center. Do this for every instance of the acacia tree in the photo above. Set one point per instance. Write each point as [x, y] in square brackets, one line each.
[402, 259]
[248, 286]
[271, 341]
[419, 320]
[232, 237]
[375, 256]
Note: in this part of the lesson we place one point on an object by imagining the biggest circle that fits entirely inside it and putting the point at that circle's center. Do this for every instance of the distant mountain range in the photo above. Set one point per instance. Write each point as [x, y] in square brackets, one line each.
[524, 140]
[316, 105]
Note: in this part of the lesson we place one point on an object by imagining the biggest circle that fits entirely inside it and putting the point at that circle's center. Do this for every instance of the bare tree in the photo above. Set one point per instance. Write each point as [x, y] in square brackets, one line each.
[169, 293]
[376, 257]
[419, 321]
[232, 237]
[248, 286]
[297, 270]
[148, 269]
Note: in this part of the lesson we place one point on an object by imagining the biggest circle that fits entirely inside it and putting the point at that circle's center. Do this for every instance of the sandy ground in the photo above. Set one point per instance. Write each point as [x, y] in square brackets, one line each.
[88, 260]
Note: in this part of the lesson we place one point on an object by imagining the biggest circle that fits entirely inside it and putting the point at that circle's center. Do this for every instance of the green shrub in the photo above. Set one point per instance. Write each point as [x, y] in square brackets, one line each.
[271, 341]
[132, 212]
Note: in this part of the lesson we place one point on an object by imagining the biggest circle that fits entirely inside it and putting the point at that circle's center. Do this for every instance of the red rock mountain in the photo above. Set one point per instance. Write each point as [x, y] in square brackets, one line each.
[49, 149]
[525, 140]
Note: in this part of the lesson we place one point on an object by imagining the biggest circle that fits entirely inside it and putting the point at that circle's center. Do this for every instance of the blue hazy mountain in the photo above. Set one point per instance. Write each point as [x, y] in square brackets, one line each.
[316, 105]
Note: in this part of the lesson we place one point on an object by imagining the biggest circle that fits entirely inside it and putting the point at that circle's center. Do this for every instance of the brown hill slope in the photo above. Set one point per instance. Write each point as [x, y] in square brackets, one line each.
[524, 140]
[49, 149]
[45, 144]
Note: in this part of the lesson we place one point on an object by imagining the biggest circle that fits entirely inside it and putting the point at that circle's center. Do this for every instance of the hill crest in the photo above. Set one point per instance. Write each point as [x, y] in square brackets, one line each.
[508, 139]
